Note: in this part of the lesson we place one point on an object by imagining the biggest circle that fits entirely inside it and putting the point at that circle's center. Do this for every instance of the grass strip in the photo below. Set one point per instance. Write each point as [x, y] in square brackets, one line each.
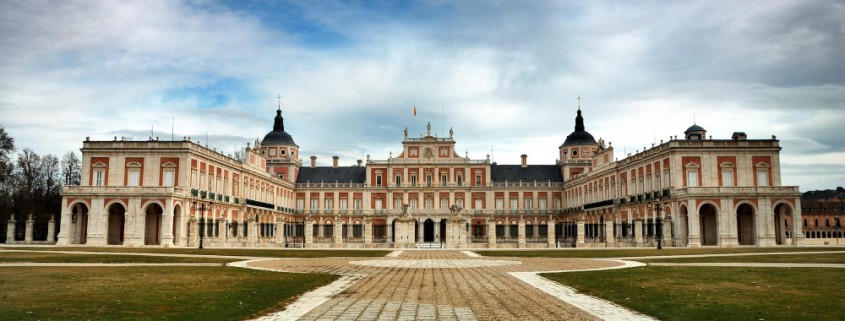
[718, 293]
[297, 253]
[602, 253]
[836, 258]
[47, 257]
[147, 293]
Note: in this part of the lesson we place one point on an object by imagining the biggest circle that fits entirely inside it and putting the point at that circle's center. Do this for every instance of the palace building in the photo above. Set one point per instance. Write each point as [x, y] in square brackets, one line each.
[690, 191]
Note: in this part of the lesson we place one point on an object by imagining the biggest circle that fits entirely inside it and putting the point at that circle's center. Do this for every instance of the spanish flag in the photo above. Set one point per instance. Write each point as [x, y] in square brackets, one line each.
[415, 110]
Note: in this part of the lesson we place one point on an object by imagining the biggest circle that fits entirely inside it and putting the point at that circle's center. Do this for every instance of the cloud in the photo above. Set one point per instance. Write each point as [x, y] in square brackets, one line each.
[504, 74]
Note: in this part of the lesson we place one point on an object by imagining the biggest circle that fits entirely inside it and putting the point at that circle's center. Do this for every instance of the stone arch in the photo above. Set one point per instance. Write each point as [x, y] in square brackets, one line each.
[79, 212]
[116, 223]
[428, 230]
[784, 218]
[152, 223]
[745, 223]
[708, 215]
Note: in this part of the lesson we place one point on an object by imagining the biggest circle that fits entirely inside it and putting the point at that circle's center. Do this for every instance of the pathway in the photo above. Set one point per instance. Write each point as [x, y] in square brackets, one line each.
[442, 285]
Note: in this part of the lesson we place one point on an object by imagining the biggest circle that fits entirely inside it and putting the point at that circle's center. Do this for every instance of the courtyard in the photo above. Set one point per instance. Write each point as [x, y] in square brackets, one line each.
[134, 284]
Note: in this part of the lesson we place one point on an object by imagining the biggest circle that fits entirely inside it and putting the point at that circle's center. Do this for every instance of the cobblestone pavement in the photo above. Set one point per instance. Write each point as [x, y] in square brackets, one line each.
[438, 285]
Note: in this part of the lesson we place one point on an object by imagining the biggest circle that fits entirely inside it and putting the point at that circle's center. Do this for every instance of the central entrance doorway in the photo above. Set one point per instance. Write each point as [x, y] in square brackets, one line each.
[428, 231]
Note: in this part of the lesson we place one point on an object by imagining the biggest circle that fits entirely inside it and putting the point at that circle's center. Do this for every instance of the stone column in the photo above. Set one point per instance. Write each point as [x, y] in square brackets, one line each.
[638, 232]
[30, 223]
[608, 234]
[667, 232]
[550, 232]
[389, 232]
[166, 233]
[251, 230]
[420, 229]
[193, 232]
[368, 231]
[221, 230]
[521, 232]
[280, 230]
[338, 232]
[51, 230]
[491, 231]
[10, 230]
[579, 234]
[694, 235]
[67, 230]
[309, 233]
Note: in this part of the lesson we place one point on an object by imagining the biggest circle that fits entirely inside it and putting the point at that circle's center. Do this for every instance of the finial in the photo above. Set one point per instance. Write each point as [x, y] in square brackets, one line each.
[280, 101]
[579, 101]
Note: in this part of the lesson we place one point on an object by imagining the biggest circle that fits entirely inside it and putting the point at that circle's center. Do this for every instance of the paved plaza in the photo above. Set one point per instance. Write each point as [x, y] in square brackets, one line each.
[436, 285]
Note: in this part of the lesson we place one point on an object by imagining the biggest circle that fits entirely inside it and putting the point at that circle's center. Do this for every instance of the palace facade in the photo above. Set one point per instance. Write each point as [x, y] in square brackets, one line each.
[686, 192]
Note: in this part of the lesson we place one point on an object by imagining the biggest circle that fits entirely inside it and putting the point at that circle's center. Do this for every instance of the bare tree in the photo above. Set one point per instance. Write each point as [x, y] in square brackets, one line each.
[71, 168]
[7, 146]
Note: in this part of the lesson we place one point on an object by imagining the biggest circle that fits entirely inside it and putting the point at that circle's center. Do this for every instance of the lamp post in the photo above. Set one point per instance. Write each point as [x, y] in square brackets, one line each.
[202, 206]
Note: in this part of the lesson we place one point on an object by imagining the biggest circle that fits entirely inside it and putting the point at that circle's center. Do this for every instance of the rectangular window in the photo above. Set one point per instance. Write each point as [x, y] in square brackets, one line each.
[460, 180]
[477, 180]
[443, 179]
[460, 202]
[413, 203]
[413, 180]
[378, 180]
[342, 204]
[444, 203]
[500, 203]
[357, 204]
[329, 205]
[762, 177]
[692, 178]
[134, 177]
[428, 180]
[429, 203]
[315, 203]
[514, 203]
[544, 230]
[478, 204]
[397, 204]
[542, 203]
[398, 180]
[300, 203]
[99, 176]
[528, 203]
[194, 179]
[727, 177]
[169, 175]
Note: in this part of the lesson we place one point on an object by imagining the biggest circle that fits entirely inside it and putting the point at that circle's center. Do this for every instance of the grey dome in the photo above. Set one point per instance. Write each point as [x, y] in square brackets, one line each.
[694, 128]
[278, 136]
[579, 136]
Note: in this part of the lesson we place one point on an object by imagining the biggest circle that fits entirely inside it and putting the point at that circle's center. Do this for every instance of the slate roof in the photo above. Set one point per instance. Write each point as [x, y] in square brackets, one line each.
[515, 173]
[327, 174]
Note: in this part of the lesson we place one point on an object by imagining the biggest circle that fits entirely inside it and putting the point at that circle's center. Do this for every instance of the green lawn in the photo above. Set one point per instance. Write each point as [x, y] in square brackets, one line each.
[303, 253]
[602, 253]
[147, 293]
[774, 258]
[48, 257]
[718, 293]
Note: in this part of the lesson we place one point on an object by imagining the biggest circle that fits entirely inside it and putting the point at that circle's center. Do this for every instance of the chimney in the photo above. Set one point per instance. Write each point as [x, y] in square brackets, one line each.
[524, 160]
[359, 163]
[313, 161]
[334, 161]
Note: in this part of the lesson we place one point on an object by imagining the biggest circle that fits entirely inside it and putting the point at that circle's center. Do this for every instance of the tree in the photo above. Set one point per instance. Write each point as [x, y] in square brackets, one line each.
[7, 146]
[71, 168]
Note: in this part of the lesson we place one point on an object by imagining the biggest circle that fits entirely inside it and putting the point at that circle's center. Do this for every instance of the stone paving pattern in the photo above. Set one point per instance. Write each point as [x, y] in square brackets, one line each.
[450, 292]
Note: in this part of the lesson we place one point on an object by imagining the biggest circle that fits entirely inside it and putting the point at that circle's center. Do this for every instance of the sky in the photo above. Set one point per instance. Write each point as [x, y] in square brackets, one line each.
[504, 75]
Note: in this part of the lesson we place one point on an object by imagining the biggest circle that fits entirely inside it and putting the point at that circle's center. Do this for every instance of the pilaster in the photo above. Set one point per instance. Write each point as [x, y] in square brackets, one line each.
[608, 233]
[521, 232]
[638, 232]
[579, 233]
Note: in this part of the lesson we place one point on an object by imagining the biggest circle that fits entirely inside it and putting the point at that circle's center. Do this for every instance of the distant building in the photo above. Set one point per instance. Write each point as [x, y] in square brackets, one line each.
[823, 212]
[694, 191]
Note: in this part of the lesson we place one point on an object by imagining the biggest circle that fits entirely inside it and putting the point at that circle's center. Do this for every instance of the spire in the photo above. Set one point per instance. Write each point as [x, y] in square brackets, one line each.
[279, 123]
[579, 121]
